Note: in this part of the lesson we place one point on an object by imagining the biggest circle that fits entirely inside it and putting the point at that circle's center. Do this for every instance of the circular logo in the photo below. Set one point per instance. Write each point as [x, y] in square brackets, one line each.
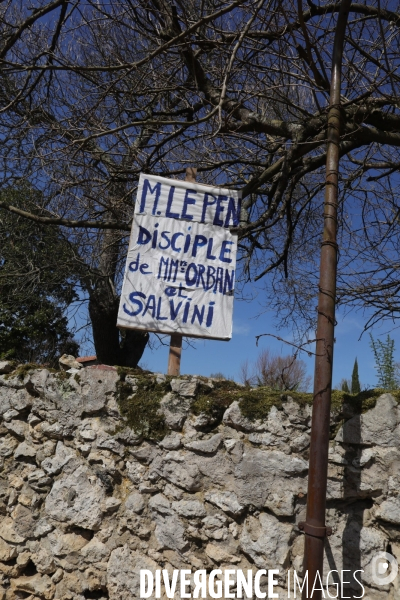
[384, 568]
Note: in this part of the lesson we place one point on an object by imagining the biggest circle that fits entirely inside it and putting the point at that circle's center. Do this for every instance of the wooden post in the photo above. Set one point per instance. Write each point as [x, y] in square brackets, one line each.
[175, 351]
[175, 347]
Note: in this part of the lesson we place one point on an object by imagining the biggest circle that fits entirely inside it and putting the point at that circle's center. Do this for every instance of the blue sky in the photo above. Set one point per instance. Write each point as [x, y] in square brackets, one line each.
[209, 356]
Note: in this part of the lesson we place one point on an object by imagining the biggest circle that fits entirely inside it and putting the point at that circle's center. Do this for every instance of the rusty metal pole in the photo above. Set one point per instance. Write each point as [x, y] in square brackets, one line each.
[175, 346]
[314, 526]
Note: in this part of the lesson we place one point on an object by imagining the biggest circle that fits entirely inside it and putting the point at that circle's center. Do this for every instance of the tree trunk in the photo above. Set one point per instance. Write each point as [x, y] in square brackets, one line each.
[132, 348]
[110, 349]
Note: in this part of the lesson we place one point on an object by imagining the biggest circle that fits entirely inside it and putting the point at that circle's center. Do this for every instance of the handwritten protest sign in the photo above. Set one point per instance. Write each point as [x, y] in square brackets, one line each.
[180, 269]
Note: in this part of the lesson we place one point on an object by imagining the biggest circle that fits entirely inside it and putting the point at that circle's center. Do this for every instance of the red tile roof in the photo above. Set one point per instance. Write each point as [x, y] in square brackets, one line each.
[83, 359]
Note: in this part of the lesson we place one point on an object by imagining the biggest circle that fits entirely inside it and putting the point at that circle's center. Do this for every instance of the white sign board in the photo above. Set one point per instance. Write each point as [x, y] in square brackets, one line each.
[180, 270]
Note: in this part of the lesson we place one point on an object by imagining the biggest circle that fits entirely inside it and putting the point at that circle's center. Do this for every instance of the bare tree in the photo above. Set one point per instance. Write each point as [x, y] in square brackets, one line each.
[277, 372]
[94, 93]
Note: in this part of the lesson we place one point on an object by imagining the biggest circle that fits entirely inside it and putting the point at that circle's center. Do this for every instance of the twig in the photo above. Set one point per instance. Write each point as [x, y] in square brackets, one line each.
[291, 343]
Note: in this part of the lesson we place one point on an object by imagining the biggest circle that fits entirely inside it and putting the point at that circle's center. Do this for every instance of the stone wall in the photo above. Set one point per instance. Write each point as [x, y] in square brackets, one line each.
[86, 502]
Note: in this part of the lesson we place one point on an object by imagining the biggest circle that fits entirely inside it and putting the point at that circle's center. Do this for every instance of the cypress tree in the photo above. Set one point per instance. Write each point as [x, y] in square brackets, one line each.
[345, 386]
[355, 381]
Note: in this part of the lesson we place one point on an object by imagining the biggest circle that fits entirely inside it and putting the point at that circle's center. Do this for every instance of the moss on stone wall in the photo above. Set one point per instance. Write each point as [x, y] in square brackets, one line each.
[255, 403]
[22, 370]
[360, 403]
[139, 402]
[139, 398]
[215, 400]
[139, 394]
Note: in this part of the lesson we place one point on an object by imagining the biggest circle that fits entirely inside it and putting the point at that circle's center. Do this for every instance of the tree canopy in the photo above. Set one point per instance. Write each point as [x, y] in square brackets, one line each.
[36, 286]
[93, 92]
